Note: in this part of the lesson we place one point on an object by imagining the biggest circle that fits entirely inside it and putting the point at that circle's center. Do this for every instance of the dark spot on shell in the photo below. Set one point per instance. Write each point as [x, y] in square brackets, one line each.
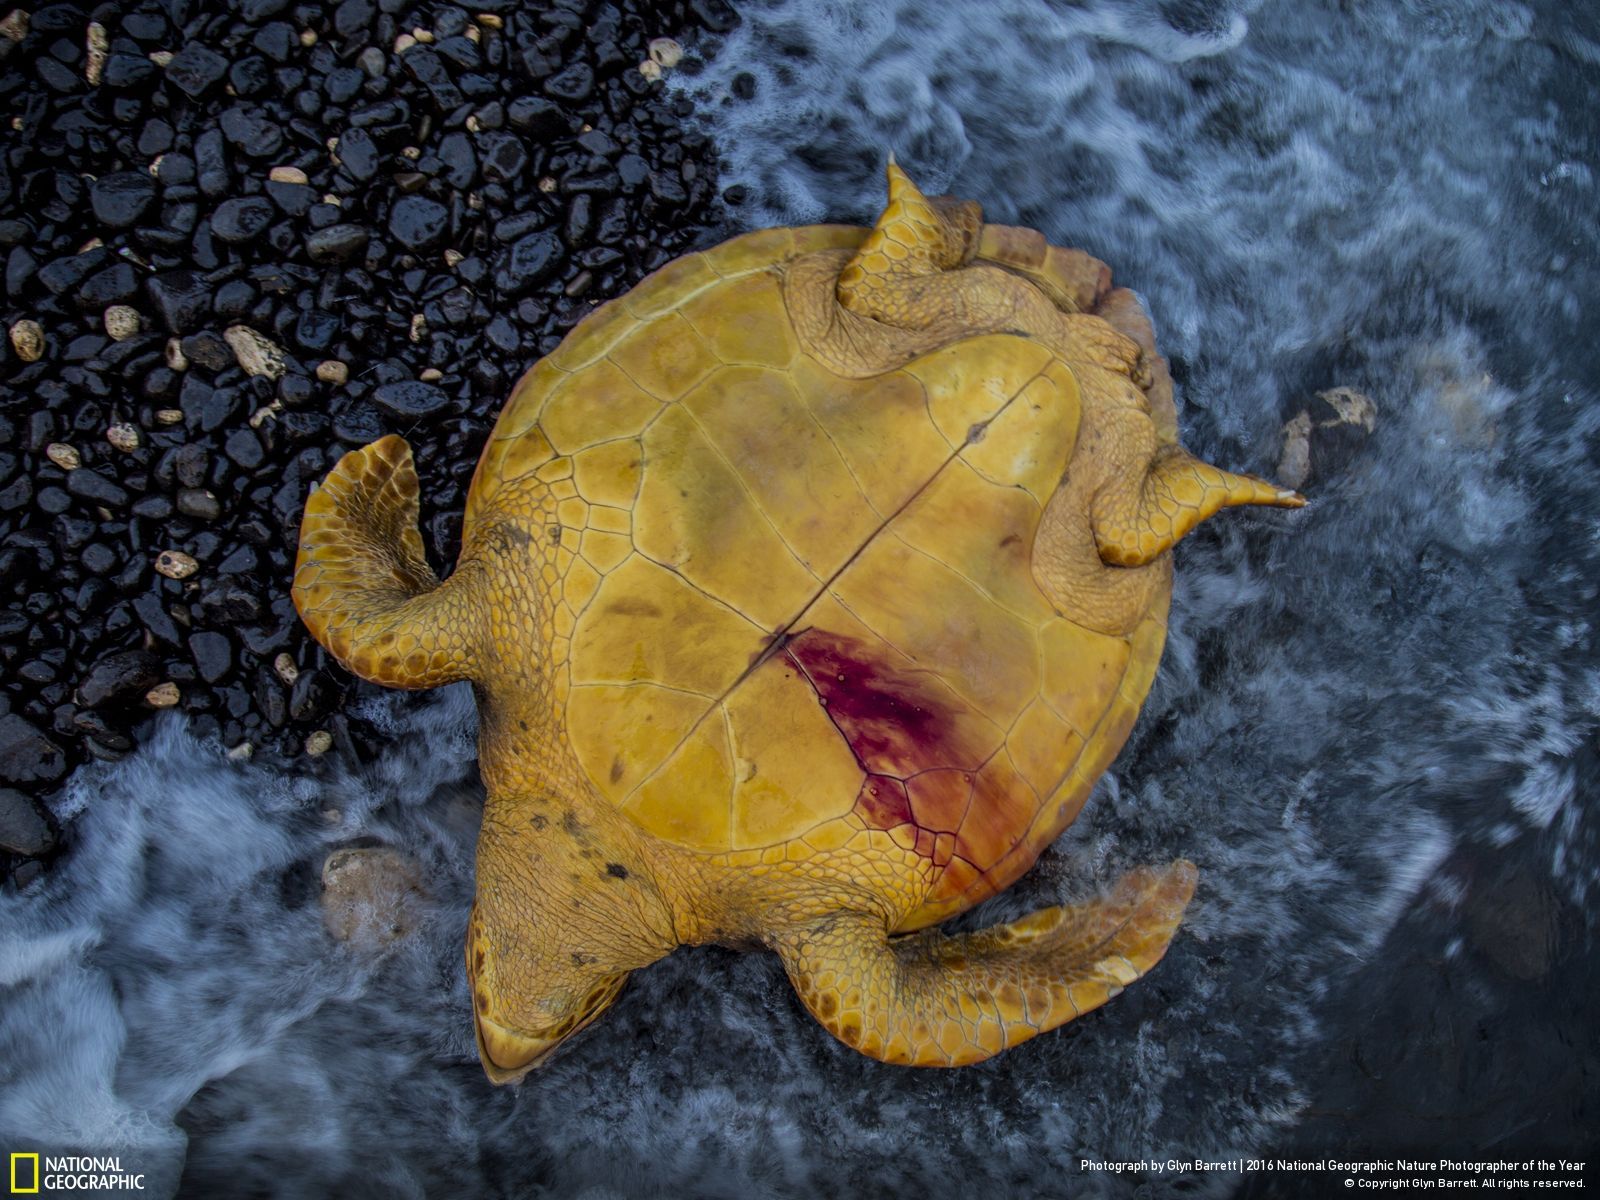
[616, 870]
[483, 1004]
[827, 1004]
[976, 433]
[616, 768]
[570, 822]
[633, 608]
[517, 535]
[538, 822]
[554, 534]
[1010, 539]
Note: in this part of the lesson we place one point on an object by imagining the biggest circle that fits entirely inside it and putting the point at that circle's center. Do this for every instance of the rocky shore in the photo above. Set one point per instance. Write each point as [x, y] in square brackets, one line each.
[240, 239]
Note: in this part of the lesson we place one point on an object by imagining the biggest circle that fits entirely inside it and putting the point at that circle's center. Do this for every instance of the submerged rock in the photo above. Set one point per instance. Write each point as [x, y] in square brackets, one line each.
[1321, 439]
[371, 897]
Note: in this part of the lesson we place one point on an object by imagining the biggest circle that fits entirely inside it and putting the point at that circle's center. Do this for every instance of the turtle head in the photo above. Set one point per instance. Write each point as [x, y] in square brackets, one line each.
[524, 1008]
[566, 908]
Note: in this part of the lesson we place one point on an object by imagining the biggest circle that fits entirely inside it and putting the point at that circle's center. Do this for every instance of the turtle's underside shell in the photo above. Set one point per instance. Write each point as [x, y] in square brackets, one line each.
[796, 612]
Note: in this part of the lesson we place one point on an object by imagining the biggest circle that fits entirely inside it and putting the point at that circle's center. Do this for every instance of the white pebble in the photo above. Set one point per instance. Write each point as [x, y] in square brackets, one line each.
[15, 25]
[122, 322]
[254, 353]
[123, 436]
[175, 564]
[97, 48]
[64, 456]
[27, 339]
[665, 52]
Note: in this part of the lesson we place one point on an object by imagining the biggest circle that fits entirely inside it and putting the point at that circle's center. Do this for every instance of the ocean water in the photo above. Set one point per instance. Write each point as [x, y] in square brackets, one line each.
[1375, 727]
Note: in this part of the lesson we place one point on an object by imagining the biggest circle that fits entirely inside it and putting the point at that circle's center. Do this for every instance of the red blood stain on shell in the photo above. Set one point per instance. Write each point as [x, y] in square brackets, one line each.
[939, 799]
[924, 753]
[898, 721]
[882, 803]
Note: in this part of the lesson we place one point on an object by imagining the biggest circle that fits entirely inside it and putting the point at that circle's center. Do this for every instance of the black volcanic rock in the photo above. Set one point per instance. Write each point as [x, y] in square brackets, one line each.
[409, 399]
[194, 69]
[468, 216]
[121, 198]
[181, 297]
[26, 755]
[336, 243]
[531, 260]
[117, 676]
[240, 220]
[213, 655]
[418, 223]
[23, 828]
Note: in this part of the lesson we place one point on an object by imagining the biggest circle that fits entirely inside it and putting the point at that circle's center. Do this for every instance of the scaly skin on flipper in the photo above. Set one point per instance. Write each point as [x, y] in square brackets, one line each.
[363, 587]
[789, 593]
[927, 1000]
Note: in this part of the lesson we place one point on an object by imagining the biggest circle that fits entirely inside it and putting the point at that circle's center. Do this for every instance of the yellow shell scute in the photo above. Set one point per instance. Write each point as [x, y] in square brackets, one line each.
[622, 733]
[595, 335]
[1028, 444]
[526, 402]
[609, 473]
[600, 403]
[785, 461]
[554, 471]
[745, 322]
[982, 531]
[606, 519]
[696, 516]
[689, 799]
[751, 251]
[793, 769]
[969, 382]
[1043, 747]
[666, 357]
[647, 624]
[579, 582]
[603, 549]
[670, 286]
[1083, 670]
[507, 460]
[881, 428]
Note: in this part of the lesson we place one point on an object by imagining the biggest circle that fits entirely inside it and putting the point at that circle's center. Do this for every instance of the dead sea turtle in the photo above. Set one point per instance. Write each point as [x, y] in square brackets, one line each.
[806, 589]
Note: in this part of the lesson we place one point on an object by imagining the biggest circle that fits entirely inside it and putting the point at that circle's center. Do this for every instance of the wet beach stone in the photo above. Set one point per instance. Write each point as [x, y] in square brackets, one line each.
[409, 224]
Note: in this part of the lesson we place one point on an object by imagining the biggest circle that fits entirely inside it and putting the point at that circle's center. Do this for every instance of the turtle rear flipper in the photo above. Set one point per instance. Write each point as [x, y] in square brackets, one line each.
[928, 1000]
[363, 585]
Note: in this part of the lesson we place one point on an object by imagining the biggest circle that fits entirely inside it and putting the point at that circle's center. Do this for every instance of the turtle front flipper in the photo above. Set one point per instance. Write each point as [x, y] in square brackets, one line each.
[363, 585]
[928, 1000]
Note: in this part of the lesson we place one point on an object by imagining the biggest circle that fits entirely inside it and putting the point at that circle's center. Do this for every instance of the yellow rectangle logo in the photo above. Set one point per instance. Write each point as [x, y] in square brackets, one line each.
[16, 1189]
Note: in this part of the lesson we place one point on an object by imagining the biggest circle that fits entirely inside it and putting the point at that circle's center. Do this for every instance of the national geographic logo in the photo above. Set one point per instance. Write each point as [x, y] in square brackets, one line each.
[70, 1173]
